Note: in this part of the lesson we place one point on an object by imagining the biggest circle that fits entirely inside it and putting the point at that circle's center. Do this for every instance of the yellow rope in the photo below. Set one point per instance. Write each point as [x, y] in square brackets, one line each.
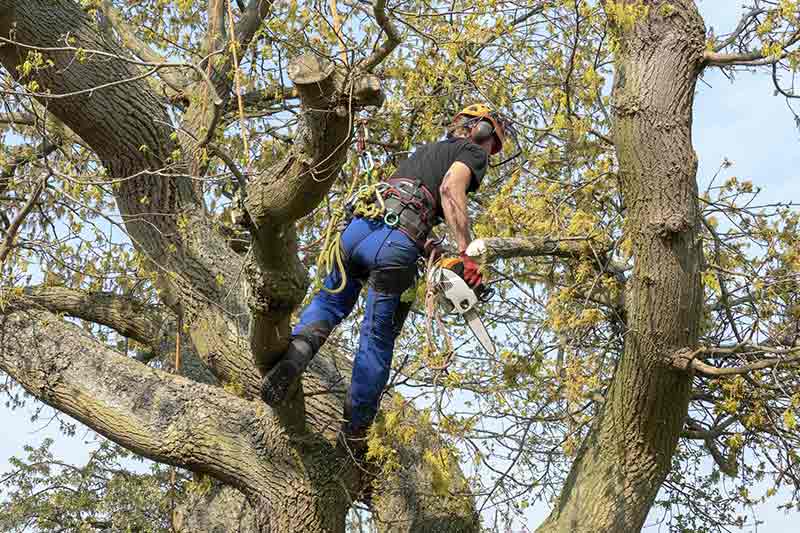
[330, 256]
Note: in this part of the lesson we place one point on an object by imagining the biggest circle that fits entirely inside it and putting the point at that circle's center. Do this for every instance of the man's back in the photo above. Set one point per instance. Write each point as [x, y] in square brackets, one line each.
[430, 162]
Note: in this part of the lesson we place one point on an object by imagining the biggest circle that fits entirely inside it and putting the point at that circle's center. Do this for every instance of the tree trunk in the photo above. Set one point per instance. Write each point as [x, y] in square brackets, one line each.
[619, 469]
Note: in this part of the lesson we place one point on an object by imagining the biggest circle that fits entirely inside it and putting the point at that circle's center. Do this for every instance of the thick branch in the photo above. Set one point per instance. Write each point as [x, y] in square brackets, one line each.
[254, 15]
[126, 316]
[697, 433]
[770, 362]
[291, 189]
[22, 119]
[163, 216]
[176, 421]
[262, 99]
[751, 59]
[492, 249]
[160, 416]
[717, 59]
[687, 359]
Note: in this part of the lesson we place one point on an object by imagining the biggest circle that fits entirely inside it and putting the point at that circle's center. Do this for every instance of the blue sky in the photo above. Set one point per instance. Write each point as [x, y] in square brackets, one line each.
[742, 121]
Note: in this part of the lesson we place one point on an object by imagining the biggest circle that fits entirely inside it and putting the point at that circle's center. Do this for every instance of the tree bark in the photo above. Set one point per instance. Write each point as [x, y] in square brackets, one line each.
[291, 481]
[619, 469]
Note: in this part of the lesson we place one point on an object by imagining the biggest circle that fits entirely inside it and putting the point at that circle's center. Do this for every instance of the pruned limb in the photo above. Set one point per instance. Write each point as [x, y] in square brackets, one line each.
[292, 188]
[491, 249]
[392, 37]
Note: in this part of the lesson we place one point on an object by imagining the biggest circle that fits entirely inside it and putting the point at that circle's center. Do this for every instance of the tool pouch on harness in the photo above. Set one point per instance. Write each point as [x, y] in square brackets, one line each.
[410, 207]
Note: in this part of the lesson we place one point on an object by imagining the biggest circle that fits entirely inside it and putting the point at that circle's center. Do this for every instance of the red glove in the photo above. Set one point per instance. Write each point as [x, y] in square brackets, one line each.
[471, 274]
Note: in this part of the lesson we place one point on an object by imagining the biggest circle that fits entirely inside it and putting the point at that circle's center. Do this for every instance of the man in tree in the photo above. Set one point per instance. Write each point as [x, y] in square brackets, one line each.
[431, 184]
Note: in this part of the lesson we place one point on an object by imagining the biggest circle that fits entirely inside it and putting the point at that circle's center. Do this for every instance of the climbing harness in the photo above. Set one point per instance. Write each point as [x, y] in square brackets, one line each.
[399, 202]
[410, 207]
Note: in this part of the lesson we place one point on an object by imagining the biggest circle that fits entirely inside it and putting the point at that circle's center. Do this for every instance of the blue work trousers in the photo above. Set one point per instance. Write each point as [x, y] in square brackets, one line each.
[386, 258]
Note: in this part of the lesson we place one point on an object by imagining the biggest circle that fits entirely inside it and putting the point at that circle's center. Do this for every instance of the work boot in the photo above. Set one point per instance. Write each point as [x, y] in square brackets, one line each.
[284, 376]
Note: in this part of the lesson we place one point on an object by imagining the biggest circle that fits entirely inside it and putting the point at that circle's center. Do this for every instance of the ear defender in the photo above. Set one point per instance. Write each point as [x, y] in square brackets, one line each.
[482, 131]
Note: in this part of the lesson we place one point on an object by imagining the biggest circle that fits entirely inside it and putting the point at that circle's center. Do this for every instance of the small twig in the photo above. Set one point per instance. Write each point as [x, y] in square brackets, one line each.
[739, 29]
[156, 66]
[392, 37]
[11, 233]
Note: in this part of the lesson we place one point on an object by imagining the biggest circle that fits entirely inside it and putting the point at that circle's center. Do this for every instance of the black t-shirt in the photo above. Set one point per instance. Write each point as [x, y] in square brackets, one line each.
[430, 162]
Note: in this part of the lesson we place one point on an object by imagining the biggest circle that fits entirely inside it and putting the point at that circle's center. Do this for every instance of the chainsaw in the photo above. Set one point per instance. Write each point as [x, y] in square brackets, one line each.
[454, 296]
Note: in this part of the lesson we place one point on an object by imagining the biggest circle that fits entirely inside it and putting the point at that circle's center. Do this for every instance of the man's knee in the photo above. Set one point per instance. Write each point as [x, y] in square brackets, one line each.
[393, 280]
[315, 333]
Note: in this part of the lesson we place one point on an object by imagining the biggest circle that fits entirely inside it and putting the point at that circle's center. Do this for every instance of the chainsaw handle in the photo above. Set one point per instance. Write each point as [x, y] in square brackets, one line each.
[484, 293]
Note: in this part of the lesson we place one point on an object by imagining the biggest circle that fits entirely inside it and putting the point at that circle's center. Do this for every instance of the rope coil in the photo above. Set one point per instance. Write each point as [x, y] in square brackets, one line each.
[365, 201]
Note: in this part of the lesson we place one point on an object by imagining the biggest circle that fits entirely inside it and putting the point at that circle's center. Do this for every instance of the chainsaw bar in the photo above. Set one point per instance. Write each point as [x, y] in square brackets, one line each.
[455, 296]
[475, 323]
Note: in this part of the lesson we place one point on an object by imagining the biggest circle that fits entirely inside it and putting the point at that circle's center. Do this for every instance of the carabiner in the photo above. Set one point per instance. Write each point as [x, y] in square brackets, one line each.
[367, 162]
[391, 219]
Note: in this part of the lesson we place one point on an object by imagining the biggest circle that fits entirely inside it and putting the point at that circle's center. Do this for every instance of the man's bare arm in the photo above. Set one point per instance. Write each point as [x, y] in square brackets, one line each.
[453, 192]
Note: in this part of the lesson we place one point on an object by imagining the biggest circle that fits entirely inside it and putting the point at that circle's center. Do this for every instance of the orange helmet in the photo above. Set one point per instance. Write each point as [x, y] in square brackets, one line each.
[483, 112]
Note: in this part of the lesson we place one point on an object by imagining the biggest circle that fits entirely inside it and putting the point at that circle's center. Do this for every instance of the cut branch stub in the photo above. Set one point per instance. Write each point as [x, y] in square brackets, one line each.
[367, 91]
[313, 76]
